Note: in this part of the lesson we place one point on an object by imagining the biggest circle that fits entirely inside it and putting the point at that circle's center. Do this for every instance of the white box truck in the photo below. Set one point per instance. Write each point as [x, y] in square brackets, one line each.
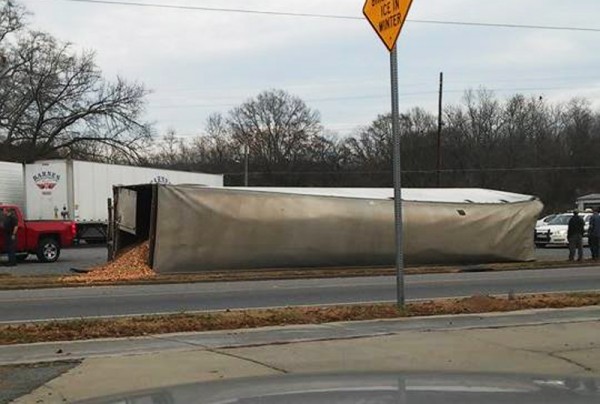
[78, 190]
[12, 191]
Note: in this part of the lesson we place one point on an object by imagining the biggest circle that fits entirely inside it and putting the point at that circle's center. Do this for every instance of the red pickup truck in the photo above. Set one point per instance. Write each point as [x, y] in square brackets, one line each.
[42, 238]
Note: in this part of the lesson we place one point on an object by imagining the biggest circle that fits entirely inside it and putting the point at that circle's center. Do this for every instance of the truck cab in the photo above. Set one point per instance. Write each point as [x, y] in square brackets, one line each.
[44, 238]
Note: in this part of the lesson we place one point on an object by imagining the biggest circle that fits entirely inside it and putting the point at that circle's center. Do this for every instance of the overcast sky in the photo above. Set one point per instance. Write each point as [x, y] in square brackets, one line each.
[199, 62]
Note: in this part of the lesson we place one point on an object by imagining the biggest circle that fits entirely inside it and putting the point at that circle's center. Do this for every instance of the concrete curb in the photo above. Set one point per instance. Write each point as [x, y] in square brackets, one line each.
[60, 351]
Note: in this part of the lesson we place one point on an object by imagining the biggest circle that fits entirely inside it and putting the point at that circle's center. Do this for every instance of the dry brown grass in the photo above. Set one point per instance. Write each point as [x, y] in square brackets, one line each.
[241, 319]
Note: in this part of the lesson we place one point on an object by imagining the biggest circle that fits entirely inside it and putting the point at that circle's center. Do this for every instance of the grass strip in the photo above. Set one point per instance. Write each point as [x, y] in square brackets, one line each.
[243, 319]
[8, 282]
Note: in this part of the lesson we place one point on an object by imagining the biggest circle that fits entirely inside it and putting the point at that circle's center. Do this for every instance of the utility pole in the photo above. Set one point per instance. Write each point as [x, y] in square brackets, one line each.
[439, 133]
[246, 163]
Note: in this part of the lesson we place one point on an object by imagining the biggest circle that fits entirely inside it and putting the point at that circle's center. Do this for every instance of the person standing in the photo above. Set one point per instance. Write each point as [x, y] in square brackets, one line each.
[575, 236]
[594, 234]
[11, 226]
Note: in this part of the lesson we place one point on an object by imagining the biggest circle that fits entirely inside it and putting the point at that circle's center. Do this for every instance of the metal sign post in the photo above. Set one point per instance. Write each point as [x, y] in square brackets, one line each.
[397, 179]
[387, 18]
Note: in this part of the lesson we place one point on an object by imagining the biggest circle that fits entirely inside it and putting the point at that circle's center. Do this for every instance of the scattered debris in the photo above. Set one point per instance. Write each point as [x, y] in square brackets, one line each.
[80, 271]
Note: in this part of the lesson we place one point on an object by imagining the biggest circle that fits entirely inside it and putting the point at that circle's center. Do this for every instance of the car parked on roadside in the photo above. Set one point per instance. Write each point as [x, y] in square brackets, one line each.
[544, 221]
[554, 232]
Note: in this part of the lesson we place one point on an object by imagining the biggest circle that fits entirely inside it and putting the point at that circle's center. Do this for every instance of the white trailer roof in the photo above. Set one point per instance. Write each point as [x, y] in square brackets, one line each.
[448, 195]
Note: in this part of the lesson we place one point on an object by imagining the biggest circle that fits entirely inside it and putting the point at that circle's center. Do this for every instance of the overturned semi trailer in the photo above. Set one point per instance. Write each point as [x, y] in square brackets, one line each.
[193, 228]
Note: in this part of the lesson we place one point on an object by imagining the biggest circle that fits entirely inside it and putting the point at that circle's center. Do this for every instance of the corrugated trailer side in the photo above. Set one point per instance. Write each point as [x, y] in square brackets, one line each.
[12, 189]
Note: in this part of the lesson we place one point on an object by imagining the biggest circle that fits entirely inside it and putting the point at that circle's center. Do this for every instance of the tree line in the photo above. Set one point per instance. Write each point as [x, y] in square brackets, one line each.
[521, 144]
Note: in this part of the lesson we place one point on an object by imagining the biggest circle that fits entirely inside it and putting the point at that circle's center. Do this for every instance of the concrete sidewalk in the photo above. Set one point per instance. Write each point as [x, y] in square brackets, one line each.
[558, 342]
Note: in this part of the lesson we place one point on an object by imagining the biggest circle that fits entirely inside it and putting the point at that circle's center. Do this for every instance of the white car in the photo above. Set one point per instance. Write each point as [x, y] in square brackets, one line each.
[544, 221]
[554, 232]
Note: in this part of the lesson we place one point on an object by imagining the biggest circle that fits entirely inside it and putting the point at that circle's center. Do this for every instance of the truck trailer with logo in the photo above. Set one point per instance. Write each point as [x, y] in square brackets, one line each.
[79, 190]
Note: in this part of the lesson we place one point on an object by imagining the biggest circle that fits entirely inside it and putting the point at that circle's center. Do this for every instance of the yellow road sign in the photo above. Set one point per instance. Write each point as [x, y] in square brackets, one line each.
[387, 18]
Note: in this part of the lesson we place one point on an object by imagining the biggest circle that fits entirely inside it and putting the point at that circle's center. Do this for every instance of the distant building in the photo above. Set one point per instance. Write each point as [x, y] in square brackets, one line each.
[590, 201]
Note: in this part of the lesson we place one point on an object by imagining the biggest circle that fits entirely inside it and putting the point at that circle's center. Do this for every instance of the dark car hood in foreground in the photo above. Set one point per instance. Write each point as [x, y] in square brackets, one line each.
[375, 388]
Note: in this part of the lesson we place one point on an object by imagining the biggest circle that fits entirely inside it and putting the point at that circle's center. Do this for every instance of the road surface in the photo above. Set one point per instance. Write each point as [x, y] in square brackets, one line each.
[45, 304]
[85, 257]
[78, 257]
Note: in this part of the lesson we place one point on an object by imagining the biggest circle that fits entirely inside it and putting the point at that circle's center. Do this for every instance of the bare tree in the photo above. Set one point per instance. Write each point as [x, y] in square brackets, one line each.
[324, 153]
[170, 149]
[277, 127]
[371, 146]
[218, 146]
[214, 151]
[12, 19]
[56, 101]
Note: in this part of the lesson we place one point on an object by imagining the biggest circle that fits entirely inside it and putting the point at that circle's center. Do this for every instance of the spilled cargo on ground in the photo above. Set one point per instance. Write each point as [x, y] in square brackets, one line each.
[195, 229]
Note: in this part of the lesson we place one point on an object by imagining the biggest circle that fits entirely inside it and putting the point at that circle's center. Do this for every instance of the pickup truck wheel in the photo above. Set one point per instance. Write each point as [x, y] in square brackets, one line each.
[48, 250]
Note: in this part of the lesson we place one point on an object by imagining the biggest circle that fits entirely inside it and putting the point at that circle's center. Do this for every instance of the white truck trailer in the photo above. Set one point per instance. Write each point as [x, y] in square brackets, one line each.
[78, 190]
[12, 191]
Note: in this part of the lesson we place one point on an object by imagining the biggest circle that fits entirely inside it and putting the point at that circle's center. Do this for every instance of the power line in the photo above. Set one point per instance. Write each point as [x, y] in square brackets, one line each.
[562, 79]
[333, 16]
[506, 25]
[299, 87]
[372, 96]
[217, 9]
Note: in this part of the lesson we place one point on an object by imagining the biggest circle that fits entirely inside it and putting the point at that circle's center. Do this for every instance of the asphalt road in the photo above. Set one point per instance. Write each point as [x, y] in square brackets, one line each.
[85, 257]
[556, 253]
[79, 257]
[44, 304]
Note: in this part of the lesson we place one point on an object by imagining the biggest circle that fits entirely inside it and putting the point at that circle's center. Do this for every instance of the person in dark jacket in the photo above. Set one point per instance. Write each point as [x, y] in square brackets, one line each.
[575, 236]
[594, 234]
[10, 227]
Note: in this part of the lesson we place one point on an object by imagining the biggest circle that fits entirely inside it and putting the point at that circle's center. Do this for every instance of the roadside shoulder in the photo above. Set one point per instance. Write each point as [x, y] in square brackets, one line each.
[59, 351]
